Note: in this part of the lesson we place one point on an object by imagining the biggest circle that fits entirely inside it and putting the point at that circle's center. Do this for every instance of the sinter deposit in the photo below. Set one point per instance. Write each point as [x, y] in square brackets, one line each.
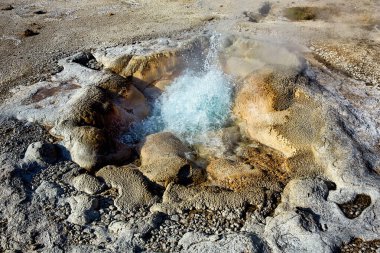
[212, 143]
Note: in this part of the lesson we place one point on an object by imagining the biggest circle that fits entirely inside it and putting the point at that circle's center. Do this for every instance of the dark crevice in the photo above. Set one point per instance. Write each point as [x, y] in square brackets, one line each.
[355, 207]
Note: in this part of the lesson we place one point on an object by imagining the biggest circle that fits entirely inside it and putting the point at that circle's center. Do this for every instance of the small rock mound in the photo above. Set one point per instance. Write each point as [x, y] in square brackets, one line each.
[162, 157]
[97, 118]
[83, 209]
[41, 154]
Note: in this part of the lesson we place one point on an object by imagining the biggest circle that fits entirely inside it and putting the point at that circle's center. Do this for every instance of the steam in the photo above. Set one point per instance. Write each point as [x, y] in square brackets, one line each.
[195, 103]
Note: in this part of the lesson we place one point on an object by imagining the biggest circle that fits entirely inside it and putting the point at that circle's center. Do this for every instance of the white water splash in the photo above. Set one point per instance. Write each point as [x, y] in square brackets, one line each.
[195, 103]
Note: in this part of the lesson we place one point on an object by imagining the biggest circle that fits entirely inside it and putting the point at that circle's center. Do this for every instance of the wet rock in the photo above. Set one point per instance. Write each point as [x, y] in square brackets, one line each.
[133, 187]
[156, 146]
[162, 157]
[96, 119]
[232, 175]
[148, 66]
[256, 105]
[221, 143]
[87, 183]
[83, 209]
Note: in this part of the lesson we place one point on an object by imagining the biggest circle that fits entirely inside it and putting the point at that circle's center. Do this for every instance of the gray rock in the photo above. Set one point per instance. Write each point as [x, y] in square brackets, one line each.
[175, 218]
[88, 249]
[196, 242]
[88, 184]
[308, 220]
[47, 192]
[124, 242]
[253, 17]
[83, 209]
[118, 226]
[147, 224]
[41, 154]
[53, 250]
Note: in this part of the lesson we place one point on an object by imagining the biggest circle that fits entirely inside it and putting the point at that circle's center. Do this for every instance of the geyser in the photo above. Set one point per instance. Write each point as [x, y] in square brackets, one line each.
[195, 103]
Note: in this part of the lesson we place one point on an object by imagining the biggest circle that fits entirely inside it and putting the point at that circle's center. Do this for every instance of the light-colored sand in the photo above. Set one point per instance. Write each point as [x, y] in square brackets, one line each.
[70, 26]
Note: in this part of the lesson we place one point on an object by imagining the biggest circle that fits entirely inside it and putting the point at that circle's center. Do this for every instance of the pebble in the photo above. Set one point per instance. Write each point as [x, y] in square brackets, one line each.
[175, 218]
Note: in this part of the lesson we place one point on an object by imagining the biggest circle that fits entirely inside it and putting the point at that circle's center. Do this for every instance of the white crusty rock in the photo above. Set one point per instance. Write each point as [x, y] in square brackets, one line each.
[41, 154]
[47, 192]
[83, 209]
[309, 220]
[240, 243]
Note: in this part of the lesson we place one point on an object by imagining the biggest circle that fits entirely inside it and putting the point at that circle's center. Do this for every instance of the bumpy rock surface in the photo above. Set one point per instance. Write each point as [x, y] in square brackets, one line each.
[357, 59]
[87, 184]
[230, 174]
[261, 104]
[313, 216]
[134, 189]
[301, 170]
[151, 65]
[97, 118]
[162, 157]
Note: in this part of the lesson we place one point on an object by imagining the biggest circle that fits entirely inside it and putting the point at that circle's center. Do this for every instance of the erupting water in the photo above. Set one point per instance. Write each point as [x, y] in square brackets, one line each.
[195, 103]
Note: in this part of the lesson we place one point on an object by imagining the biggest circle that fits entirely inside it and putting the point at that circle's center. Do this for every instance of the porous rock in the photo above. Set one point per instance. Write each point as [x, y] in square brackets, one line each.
[87, 183]
[232, 175]
[356, 59]
[151, 61]
[133, 187]
[96, 119]
[179, 197]
[162, 156]
[257, 106]
[308, 220]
